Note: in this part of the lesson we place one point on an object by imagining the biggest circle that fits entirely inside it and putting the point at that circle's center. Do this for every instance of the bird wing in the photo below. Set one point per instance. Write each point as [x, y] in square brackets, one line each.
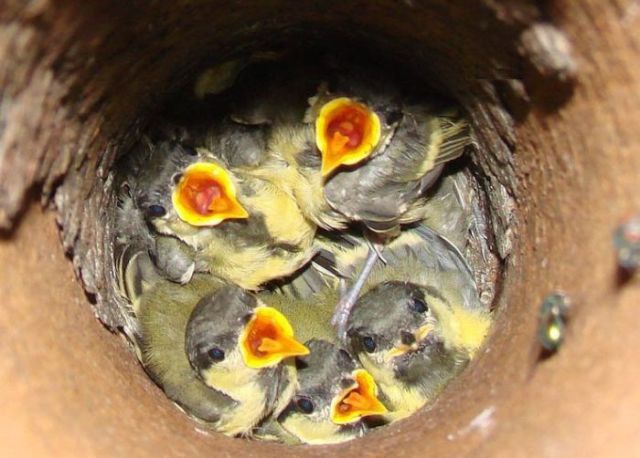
[381, 191]
[164, 314]
[432, 256]
[424, 139]
[305, 283]
[366, 193]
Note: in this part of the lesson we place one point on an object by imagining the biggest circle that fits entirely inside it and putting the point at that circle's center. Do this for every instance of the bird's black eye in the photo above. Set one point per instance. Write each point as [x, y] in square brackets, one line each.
[176, 178]
[419, 305]
[156, 211]
[216, 354]
[369, 344]
[305, 405]
[301, 364]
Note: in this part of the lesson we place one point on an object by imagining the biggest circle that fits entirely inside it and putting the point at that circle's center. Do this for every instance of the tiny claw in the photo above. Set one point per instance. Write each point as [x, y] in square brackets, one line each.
[378, 249]
[340, 317]
[342, 287]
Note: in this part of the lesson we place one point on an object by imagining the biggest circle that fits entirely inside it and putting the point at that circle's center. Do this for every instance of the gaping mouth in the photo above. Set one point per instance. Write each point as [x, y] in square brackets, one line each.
[358, 401]
[268, 338]
[346, 133]
[206, 196]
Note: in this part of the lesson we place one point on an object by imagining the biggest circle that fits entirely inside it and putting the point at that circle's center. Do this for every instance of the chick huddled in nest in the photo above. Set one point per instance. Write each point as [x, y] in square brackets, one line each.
[292, 266]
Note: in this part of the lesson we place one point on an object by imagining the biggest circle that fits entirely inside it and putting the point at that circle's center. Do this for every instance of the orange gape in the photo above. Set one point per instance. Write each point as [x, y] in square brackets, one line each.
[268, 338]
[347, 132]
[346, 129]
[357, 402]
[206, 196]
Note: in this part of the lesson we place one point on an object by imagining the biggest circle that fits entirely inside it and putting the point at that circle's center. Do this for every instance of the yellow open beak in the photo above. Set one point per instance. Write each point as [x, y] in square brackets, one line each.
[357, 402]
[206, 196]
[268, 338]
[346, 133]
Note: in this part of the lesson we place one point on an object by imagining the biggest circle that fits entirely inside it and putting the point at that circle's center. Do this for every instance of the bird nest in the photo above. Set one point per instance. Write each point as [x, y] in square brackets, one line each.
[118, 77]
[229, 172]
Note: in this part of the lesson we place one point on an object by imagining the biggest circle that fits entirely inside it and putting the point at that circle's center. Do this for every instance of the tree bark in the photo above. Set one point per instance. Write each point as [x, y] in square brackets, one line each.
[553, 91]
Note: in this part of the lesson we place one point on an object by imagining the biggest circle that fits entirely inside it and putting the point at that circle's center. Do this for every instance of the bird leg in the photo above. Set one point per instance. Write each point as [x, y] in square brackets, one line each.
[342, 287]
[344, 306]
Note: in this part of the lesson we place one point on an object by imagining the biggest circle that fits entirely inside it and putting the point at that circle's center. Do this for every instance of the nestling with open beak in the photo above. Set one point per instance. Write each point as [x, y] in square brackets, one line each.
[389, 190]
[366, 155]
[343, 132]
[324, 409]
[228, 221]
[333, 397]
[215, 350]
[243, 348]
[418, 322]
[138, 175]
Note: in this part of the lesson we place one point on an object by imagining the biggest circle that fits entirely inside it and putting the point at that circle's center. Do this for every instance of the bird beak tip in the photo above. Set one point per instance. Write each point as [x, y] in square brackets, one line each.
[328, 167]
[239, 212]
[423, 332]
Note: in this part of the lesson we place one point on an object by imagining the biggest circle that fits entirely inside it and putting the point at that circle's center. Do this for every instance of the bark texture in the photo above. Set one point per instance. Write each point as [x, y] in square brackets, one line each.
[553, 89]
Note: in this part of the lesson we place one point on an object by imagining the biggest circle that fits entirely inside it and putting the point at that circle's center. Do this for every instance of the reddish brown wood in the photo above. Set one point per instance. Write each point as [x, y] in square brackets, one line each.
[78, 79]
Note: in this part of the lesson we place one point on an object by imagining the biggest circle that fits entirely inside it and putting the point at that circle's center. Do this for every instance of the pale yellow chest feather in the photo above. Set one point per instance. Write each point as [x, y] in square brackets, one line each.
[240, 383]
[247, 413]
[464, 329]
[313, 432]
[283, 217]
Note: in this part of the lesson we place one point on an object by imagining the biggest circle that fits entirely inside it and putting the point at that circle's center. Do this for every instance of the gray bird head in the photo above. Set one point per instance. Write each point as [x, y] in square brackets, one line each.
[334, 394]
[155, 169]
[180, 189]
[215, 325]
[237, 145]
[395, 330]
[232, 337]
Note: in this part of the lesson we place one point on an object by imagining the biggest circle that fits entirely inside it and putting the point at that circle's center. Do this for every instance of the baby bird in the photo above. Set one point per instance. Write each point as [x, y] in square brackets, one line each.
[333, 397]
[219, 215]
[216, 350]
[366, 155]
[135, 244]
[418, 322]
[135, 176]
[243, 348]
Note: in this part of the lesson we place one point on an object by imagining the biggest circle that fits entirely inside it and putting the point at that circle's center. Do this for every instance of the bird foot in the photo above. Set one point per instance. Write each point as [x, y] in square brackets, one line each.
[347, 301]
[378, 250]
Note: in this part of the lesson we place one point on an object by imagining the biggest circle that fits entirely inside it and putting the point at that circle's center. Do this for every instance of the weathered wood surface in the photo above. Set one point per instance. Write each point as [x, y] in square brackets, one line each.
[77, 80]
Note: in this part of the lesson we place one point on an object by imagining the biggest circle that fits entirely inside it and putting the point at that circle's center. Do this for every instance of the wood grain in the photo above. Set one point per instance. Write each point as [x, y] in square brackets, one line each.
[559, 154]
